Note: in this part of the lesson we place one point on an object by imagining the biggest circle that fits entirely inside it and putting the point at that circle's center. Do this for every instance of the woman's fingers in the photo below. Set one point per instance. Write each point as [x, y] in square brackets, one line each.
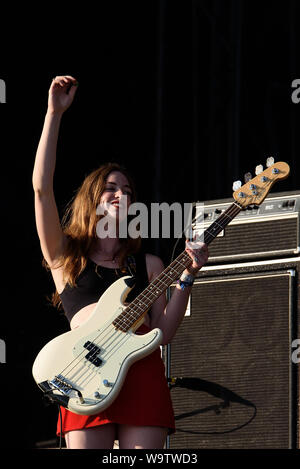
[73, 90]
[198, 252]
[198, 255]
[64, 80]
[61, 92]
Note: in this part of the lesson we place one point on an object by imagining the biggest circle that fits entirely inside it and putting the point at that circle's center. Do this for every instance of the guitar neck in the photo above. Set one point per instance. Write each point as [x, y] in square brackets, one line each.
[217, 226]
[133, 313]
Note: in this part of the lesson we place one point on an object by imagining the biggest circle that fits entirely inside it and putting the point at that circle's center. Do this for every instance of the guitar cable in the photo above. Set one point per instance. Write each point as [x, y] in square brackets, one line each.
[217, 391]
[53, 400]
[60, 424]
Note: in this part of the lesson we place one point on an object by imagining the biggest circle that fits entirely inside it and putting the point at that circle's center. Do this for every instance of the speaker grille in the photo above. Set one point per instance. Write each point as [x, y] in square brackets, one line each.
[254, 239]
[238, 337]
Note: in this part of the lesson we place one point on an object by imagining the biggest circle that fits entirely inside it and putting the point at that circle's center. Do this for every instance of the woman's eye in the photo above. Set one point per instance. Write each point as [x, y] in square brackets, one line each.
[113, 189]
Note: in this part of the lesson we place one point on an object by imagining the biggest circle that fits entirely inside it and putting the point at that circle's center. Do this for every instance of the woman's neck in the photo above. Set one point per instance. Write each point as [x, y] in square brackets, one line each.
[106, 249]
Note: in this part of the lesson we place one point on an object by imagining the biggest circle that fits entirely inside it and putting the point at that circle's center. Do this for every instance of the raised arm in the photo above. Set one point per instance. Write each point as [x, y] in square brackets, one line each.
[61, 94]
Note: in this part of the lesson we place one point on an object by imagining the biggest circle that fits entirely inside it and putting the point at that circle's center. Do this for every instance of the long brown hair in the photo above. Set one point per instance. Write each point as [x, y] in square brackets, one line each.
[79, 225]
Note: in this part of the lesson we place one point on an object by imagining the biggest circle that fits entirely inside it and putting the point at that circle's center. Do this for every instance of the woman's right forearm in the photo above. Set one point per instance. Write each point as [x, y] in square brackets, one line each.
[45, 160]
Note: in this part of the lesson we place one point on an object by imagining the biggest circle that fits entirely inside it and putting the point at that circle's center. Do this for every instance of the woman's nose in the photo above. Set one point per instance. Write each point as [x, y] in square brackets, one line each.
[119, 193]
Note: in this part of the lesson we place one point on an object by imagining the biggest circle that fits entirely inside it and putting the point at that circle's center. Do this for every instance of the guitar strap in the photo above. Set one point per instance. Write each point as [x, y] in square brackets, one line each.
[137, 268]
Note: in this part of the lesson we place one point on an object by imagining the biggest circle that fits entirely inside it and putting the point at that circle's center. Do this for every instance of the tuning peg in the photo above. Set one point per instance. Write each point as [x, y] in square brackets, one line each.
[247, 177]
[259, 169]
[270, 161]
[236, 185]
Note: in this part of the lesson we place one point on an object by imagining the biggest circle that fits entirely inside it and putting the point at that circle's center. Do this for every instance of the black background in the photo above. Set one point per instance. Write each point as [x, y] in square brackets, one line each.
[189, 95]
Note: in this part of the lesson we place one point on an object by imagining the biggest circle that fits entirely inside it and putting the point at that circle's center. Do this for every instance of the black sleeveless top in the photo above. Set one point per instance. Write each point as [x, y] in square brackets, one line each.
[95, 279]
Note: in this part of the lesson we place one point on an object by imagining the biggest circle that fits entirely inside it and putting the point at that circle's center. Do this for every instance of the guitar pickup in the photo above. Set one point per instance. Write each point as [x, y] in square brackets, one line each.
[94, 351]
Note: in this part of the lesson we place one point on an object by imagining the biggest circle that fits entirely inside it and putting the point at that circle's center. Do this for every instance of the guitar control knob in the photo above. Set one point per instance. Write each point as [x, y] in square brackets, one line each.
[97, 395]
[106, 383]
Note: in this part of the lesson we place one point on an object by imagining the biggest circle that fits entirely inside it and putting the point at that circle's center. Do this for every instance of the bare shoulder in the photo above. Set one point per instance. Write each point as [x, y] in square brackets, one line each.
[154, 266]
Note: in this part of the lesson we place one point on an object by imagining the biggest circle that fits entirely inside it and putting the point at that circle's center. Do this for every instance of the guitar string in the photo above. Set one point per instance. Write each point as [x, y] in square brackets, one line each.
[231, 210]
[94, 371]
[86, 368]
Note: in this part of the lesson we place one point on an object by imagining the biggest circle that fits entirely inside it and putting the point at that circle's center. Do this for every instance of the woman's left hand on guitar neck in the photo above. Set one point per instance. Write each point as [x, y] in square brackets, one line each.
[198, 252]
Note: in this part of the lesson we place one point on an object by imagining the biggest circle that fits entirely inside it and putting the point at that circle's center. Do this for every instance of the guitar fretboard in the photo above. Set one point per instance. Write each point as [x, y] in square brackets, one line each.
[140, 305]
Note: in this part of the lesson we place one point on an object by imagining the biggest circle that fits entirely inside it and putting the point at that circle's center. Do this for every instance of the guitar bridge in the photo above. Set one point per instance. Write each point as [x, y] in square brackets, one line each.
[62, 385]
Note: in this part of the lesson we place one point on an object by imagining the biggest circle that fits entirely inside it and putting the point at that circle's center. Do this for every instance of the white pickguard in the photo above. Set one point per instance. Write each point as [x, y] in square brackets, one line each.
[65, 356]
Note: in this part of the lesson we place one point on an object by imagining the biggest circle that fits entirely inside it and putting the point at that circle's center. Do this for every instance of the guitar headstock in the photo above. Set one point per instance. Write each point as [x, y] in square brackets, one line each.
[256, 189]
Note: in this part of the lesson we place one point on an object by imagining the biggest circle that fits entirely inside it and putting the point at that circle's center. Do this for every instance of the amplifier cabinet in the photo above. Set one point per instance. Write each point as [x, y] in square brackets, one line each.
[236, 339]
[267, 231]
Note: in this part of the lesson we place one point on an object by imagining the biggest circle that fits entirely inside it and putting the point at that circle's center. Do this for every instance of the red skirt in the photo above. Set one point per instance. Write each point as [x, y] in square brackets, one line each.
[144, 399]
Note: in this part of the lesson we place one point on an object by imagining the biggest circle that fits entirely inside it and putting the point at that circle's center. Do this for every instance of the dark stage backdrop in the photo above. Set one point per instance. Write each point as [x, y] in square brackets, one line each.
[189, 95]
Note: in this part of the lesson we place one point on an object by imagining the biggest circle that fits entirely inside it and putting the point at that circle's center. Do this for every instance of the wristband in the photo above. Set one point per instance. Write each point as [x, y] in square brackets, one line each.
[186, 281]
